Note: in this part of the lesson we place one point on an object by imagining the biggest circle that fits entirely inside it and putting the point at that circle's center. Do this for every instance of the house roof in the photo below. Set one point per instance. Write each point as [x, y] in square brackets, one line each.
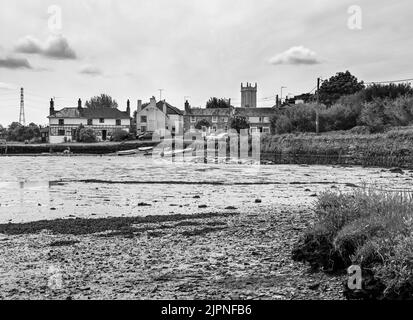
[169, 108]
[91, 113]
[255, 112]
[225, 112]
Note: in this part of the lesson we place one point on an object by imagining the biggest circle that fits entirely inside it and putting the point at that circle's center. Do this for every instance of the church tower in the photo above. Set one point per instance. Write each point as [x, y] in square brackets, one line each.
[248, 96]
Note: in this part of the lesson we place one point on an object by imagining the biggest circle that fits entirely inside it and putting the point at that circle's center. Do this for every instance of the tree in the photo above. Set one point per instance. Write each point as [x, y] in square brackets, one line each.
[281, 124]
[202, 123]
[343, 83]
[215, 103]
[77, 132]
[239, 122]
[120, 135]
[391, 91]
[18, 132]
[103, 100]
[87, 135]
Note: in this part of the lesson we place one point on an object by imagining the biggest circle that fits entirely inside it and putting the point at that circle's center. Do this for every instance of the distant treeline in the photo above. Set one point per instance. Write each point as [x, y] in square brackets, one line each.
[364, 110]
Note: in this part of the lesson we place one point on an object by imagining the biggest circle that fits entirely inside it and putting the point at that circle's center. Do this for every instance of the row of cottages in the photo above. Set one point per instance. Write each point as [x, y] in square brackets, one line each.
[103, 120]
[219, 119]
[161, 116]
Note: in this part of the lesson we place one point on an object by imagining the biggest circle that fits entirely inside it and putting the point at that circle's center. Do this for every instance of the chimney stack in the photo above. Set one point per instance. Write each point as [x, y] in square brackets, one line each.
[139, 109]
[128, 107]
[187, 107]
[79, 104]
[51, 109]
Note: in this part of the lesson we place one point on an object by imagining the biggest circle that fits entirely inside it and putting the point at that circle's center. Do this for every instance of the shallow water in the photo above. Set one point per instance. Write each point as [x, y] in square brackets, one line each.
[36, 188]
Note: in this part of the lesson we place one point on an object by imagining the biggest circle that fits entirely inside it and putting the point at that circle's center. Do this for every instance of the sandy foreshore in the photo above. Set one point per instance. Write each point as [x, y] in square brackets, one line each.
[238, 255]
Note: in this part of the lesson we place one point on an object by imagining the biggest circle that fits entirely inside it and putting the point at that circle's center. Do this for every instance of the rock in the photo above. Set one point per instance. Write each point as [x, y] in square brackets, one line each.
[314, 286]
[396, 170]
[231, 208]
[53, 209]
[307, 190]
[197, 197]
[258, 200]
[202, 206]
[143, 204]
[313, 195]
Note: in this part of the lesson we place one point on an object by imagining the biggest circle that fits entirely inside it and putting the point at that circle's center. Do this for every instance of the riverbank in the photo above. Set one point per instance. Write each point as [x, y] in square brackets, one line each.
[391, 149]
[238, 255]
[75, 148]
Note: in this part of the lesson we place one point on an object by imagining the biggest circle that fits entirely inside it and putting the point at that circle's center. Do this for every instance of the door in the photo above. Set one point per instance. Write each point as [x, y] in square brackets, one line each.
[104, 135]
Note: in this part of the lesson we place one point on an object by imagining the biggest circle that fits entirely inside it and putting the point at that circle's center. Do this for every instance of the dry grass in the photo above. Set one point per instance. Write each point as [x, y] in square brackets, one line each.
[370, 228]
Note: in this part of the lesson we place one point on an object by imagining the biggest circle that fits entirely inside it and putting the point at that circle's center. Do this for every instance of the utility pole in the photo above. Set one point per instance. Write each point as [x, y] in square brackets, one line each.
[281, 100]
[160, 94]
[22, 118]
[317, 115]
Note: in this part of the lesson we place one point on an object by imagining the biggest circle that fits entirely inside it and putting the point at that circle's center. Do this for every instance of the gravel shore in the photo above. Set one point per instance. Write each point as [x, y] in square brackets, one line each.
[239, 255]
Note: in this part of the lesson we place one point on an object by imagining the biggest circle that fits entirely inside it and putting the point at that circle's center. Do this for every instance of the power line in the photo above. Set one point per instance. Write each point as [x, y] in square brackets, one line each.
[390, 81]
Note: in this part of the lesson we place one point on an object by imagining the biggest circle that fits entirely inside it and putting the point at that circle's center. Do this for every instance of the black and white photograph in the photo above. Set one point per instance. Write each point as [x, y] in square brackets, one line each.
[233, 151]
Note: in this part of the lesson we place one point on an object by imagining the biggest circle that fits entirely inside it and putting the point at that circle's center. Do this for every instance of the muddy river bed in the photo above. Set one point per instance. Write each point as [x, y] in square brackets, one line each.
[218, 230]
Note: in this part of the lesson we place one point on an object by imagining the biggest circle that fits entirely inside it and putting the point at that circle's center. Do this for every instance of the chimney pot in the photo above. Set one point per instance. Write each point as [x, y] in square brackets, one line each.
[128, 107]
[51, 109]
[79, 104]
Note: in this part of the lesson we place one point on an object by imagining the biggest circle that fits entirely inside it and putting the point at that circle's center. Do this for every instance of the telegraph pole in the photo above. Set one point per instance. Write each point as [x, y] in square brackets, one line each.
[22, 118]
[317, 116]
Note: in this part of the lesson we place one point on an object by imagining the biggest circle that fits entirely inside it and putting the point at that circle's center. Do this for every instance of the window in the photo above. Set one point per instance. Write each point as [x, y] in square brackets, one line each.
[225, 119]
[193, 119]
[261, 119]
[266, 130]
[254, 129]
[143, 129]
[61, 133]
[144, 119]
[118, 122]
[101, 120]
[214, 119]
[89, 122]
[61, 122]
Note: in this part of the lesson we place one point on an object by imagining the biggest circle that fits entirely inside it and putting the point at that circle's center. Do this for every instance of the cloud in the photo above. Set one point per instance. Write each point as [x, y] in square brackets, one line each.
[7, 86]
[296, 56]
[14, 63]
[56, 47]
[90, 70]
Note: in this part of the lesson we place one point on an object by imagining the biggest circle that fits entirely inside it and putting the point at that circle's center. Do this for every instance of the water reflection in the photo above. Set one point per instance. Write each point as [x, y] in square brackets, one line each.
[53, 187]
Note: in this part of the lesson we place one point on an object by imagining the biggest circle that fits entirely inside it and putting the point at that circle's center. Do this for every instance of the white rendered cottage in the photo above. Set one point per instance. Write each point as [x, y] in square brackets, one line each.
[159, 117]
[103, 120]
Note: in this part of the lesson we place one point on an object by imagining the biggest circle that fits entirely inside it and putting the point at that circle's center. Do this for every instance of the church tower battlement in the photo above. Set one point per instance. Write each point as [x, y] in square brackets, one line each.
[248, 95]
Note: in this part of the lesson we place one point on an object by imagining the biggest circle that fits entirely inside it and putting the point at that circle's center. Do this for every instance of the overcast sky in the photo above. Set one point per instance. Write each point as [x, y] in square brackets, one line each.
[195, 48]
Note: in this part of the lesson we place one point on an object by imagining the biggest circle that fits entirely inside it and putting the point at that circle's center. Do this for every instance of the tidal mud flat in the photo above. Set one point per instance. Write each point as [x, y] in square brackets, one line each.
[209, 256]
[67, 231]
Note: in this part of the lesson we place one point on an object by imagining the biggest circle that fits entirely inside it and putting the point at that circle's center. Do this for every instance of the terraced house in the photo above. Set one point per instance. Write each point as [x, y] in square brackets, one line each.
[103, 120]
[259, 118]
[218, 118]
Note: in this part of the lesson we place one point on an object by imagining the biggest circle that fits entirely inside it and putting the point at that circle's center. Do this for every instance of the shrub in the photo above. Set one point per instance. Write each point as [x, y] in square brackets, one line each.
[120, 135]
[366, 227]
[87, 135]
[302, 117]
[399, 112]
[282, 124]
[373, 115]
[340, 117]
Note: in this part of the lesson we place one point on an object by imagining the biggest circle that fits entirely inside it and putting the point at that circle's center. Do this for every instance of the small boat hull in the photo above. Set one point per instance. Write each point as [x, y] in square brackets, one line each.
[126, 152]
